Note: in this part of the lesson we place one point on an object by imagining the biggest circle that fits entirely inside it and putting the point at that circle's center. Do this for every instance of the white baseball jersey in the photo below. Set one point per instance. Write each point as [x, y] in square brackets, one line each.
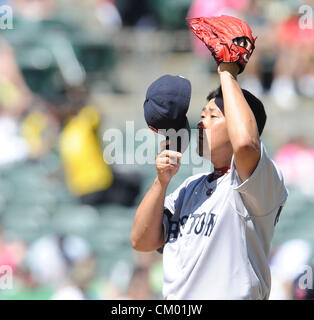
[217, 245]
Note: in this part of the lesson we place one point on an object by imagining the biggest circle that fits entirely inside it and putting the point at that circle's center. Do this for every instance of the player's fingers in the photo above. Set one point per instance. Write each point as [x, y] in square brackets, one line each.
[168, 157]
[167, 160]
[171, 153]
[163, 160]
[167, 167]
[174, 160]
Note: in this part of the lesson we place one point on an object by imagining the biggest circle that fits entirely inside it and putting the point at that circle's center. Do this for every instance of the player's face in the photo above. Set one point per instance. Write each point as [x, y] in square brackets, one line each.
[212, 129]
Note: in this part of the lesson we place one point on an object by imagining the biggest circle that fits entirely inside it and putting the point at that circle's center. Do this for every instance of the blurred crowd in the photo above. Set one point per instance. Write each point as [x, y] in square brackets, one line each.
[50, 137]
[283, 61]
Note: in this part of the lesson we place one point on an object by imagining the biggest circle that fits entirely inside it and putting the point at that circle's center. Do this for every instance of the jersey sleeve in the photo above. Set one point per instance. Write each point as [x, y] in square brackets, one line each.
[264, 191]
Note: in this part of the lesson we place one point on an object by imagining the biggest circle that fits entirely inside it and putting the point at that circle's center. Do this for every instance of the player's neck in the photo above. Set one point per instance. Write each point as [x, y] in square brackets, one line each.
[219, 172]
[222, 159]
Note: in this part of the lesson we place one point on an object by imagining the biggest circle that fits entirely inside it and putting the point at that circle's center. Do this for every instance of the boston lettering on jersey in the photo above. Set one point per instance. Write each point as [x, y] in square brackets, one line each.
[200, 224]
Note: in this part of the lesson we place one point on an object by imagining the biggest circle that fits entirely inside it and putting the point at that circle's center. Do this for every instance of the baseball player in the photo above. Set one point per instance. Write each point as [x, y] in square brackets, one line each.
[216, 228]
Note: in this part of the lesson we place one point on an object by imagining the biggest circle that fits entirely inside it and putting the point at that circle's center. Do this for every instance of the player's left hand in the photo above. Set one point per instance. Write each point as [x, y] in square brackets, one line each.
[229, 39]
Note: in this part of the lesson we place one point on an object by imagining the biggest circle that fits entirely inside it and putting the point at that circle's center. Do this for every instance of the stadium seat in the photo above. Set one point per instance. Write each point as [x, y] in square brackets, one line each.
[170, 13]
[25, 222]
[296, 219]
[75, 219]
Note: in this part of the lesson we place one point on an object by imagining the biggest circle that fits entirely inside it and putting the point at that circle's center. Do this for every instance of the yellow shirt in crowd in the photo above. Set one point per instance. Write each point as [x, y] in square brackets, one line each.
[85, 169]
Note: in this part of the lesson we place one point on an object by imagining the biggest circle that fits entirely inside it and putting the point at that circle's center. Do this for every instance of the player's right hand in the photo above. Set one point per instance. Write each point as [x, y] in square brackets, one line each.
[167, 165]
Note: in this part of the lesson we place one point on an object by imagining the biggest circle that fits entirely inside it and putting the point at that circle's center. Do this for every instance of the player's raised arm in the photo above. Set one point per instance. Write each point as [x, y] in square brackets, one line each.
[241, 123]
[231, 43]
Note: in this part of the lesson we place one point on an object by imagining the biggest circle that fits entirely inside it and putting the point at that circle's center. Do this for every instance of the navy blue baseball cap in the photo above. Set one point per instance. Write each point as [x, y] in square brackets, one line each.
[166, 105]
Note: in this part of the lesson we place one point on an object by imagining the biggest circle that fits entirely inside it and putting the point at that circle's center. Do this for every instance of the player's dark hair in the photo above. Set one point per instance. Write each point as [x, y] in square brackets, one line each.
[255, 104]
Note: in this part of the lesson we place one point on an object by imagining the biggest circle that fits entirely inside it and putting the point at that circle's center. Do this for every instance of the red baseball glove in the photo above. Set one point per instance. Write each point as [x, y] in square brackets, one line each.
[229, 39]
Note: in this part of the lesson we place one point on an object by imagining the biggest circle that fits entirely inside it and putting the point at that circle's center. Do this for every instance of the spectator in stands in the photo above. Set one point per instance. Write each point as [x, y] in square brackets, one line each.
[108, 15]
[40, 129]
[76, 287]
[27, 127]
[15, 96]
[87, 173]
[132, 11]
[15, 99]
[303, 286]
[141, 286]
[295, 159]
[81, 269]
[34, 9]
[294, 69]
[46, 260]
[6, 257]
[259, 74]
[11, 253]
[286, 264]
